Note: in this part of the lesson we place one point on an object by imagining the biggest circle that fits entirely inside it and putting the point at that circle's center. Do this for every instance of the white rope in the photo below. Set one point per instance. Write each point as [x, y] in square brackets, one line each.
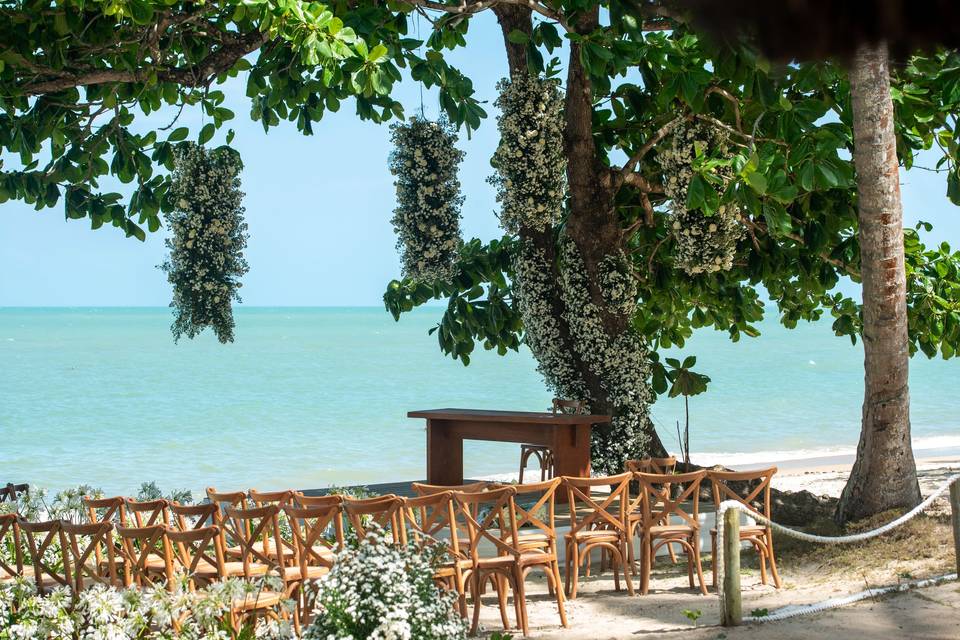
[792, 611]
[809, 537]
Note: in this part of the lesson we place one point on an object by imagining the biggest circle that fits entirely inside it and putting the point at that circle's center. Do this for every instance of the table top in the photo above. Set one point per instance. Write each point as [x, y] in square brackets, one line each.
[488, 415]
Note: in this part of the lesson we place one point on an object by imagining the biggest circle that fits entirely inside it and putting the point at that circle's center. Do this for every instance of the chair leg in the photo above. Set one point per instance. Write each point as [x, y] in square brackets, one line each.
[475, 582]
[520, 599]
[646, 550]
[761, 554]
[501, 586]
[695, 543]
[555, 568]
[627, 571]
[768, 538]
[689, 566]
[615, 566]
[713, 550]
[573, 574]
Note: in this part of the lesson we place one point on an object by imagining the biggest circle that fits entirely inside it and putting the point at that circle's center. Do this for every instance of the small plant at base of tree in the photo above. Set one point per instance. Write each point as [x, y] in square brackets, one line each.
[693, 615]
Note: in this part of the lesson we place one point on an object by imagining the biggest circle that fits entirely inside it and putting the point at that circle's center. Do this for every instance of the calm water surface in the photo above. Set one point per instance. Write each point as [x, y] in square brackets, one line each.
[310, 397]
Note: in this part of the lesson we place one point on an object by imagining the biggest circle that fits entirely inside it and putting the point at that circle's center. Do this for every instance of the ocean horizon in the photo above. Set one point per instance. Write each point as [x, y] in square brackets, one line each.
[314, 396]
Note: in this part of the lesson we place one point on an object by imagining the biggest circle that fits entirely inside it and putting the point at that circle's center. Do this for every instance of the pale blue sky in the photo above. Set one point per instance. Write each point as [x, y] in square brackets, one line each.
[318, 209]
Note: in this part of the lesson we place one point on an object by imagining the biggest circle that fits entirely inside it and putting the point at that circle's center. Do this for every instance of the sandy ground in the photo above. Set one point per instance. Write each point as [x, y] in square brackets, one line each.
[600, 612]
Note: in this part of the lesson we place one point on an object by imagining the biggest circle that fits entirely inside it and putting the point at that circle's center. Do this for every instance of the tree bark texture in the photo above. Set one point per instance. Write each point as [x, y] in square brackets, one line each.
[884, 475]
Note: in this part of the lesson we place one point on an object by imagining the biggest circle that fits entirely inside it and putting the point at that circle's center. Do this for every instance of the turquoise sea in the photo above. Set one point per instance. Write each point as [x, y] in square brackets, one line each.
[312, 397]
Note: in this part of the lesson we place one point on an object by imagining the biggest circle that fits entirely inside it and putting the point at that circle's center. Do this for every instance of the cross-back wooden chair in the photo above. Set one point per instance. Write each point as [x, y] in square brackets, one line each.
[759, 536]
[647, 464]
[382, 511]
[148, 513]
[106, 510]
[85, 542]
[143, 555]
[10, 568]
[544, 453]
[280, 499]
[193, 516]
[225, 500]
[12, 492]
[197, 555]
[46, 542]
[430, 520]
[665, 521]
[317, 533]
[597, 521]
[257, 531]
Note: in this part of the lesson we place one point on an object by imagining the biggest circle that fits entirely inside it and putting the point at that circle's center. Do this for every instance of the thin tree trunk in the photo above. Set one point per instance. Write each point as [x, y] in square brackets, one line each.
[884, 475]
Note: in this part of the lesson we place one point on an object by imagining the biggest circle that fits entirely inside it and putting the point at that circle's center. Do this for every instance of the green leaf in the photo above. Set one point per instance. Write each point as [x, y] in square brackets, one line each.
[206, 133]
[518, 37]
[178, 134]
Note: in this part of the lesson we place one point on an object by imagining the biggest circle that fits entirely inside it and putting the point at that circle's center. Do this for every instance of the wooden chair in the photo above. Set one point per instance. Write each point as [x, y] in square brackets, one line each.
[666, 465]
[45, 542]
[597, 522]
[280, 499]
[143, 555]
[10, 539]
[424, 489]
[430, 520]
[543, 453]
[225, 500]
[659, 508]
[90, 554]
[186, 517]
[148, 513]
[106, 510]
[759, 536]
[12, 492]
[314, 549]
[258, 531]
[383, 511]
[196, 554]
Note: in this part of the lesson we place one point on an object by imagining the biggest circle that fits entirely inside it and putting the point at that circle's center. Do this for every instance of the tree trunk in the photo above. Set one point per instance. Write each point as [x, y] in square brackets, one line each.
[884, 475]
[594, 230]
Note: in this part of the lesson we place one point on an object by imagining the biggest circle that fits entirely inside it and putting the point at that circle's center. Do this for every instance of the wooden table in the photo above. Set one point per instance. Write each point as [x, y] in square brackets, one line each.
[568, 435]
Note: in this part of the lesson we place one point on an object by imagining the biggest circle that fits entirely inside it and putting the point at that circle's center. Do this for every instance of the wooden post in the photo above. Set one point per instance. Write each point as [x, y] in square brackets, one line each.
[731, 613]
[955, 518]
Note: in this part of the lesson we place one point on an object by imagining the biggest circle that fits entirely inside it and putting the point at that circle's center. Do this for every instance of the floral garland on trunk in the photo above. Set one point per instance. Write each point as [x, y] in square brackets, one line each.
[704, 244]
[425, 161]
[209, 235]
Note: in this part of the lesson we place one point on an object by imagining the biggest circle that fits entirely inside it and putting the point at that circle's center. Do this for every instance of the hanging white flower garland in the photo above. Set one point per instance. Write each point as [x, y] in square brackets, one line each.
[704, 244]
[530, 163]
[425, 160]
[209, 235]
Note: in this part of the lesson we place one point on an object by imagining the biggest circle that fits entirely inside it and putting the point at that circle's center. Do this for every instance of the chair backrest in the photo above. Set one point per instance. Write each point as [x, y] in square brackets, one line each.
[424, 489]
[383, 511]
[652, 465]
[572, 407]
[12, 492]
[193, 516]
[91, 553]
[189, 549]
[279, 498]
[588, 509]
[430, 520]
[313, 544]
[758, 491]
[300, 500]
[661, 500]
[490, 516]
[45, 542]
[147, 513]
[256, 531]
[529, 514]
[106, 510]
[140, 547]
[10, 539]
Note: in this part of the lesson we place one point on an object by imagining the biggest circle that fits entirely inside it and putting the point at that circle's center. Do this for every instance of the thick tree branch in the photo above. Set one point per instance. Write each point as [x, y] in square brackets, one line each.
[659, 135]
[198, 75]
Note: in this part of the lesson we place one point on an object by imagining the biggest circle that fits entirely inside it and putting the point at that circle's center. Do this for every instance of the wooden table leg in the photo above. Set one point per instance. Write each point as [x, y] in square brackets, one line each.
[444, 454]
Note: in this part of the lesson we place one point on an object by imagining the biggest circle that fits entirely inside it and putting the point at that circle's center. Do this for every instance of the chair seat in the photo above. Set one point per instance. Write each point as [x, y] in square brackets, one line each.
[259, 600]
[536, 540]
[295, 573]
[526, 558]
[258, 548]
[447, 569]
[747, 529]
[594, 535]
[235, 568]
[323, 552]
[663, 530]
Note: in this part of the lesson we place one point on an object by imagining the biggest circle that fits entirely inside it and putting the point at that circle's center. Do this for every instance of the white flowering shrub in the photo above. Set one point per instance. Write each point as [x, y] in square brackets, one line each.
[108, 613]
[620, 362]
[530, 163]
[381, 591]
[425, 161]
[208, 236]
[704, 243]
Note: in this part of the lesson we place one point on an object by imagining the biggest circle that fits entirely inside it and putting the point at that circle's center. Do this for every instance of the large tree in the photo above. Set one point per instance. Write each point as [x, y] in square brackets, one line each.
[697, 176]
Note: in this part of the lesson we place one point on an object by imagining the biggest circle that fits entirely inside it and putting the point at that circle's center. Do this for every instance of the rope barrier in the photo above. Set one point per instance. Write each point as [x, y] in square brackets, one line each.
[809, 537]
